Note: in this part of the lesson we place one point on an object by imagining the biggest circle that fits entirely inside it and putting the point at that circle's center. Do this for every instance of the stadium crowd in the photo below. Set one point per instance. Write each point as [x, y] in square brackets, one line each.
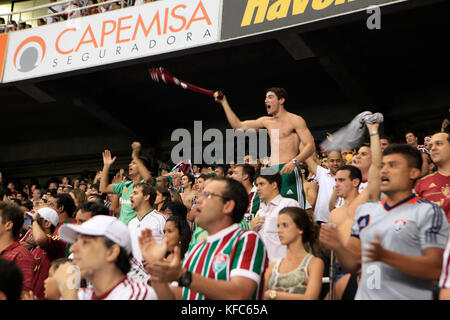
[371, 218]
[74, 9]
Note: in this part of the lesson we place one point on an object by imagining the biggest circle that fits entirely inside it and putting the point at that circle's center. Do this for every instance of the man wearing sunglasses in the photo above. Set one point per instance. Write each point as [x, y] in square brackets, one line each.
[229, 264]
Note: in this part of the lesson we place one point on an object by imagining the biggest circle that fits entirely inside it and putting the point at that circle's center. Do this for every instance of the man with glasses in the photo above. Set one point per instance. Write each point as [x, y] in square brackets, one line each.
[229, 264]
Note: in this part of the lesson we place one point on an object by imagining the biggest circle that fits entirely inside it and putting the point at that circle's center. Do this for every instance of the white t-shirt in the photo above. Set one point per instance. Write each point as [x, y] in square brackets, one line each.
[269, 230]
[127, 289]
[326, 183]
[154, 221]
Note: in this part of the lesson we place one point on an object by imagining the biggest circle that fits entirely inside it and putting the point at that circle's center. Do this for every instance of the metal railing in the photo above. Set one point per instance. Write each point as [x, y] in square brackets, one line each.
[72, 6]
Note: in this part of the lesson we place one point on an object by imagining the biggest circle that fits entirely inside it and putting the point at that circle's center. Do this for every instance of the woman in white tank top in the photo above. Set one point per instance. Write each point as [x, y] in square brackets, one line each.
[298, 276]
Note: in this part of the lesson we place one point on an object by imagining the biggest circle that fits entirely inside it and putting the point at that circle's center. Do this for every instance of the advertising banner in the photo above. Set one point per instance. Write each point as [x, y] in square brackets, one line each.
[3, 45]
[241, 18]
[114, 36]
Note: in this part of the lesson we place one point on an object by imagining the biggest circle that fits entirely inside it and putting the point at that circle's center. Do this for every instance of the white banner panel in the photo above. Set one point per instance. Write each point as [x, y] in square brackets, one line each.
[124, 34]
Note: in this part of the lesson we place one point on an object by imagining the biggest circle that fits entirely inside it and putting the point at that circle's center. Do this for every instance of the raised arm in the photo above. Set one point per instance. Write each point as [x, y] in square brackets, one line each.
[312, 162]
[38, 234]
[143, 171]
[234, 121]
[372, 191]
[308, 145]
[333, 200]
[105, 186]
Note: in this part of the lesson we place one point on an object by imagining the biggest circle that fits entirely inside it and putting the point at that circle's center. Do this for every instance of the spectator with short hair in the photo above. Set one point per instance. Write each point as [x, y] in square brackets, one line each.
[219, 171]
[207, 273]
[138, 173]
[268, 184]
[11, 221]
[245, 174]
[37, 195]
[163, 182]
[412, 140]
[188, 194]
[89, 210]
[435, 187]
[401, 236]
[142, 201]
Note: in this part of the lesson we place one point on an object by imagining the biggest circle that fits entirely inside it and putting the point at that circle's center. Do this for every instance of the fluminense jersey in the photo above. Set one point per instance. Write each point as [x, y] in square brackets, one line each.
[228, 253]
[127, 289]
[407, 228]
[154, 221]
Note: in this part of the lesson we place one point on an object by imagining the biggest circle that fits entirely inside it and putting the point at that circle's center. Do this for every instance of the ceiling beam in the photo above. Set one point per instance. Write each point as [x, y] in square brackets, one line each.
[294, 45]
[34, 92]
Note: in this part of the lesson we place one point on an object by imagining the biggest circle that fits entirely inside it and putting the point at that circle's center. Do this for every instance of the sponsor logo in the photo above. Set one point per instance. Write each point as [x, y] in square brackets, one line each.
[268, 10]
[29, 54]
[246, 17]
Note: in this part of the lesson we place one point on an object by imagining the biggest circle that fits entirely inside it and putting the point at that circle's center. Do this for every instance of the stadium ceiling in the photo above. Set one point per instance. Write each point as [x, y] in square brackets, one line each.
[332, 70]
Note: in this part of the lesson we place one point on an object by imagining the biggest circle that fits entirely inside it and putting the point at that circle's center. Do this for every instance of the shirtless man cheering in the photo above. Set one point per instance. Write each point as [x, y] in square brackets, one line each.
[292, 130]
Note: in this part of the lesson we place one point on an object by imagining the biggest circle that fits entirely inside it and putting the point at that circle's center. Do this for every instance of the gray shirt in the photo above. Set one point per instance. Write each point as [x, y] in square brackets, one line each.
[408, 228]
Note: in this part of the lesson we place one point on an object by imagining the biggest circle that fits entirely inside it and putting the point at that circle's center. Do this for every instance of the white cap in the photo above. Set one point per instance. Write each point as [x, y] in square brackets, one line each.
[50, 215]
[99, 226]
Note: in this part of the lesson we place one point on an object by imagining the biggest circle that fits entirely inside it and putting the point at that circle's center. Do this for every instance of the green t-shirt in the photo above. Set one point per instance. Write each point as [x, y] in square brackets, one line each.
[125, 189]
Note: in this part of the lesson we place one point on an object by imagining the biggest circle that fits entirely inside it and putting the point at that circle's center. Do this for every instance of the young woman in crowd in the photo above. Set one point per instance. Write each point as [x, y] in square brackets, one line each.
[162, 198]
[299, 274]
[177, 233]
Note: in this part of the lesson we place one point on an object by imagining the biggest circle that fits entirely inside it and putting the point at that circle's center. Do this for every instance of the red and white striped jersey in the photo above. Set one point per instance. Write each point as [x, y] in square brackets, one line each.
[127, 289]
[444, 281]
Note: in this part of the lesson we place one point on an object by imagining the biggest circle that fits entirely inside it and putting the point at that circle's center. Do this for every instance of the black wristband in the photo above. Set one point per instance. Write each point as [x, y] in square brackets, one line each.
[185, 279]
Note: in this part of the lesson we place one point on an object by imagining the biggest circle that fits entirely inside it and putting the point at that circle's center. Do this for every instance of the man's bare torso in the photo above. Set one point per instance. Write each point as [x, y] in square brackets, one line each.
[188, 197]
[287, 138]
